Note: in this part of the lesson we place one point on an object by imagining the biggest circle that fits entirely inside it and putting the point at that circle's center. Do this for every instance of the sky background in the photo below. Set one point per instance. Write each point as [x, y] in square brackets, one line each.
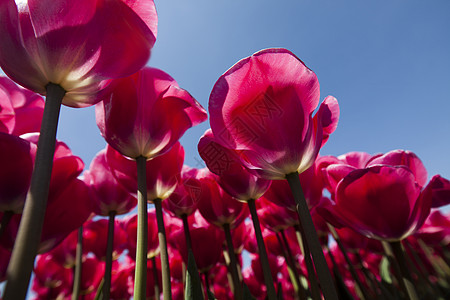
[387, 63]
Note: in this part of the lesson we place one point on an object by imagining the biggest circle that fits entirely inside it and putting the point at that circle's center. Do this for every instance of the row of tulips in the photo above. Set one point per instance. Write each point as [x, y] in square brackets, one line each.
[262, 148]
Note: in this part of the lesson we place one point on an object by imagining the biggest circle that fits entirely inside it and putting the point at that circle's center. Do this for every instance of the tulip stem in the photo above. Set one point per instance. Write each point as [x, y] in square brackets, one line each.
[323, 273]
[237, 286]
[108, 258]
[78, 265]
[405, 281]
[30, 229]
[165, 269]
[358, 284]
[6, 218]
[292, 267]
[314, 284]
[264, 260]
[187, 233]
[155, 278]
[140, 278]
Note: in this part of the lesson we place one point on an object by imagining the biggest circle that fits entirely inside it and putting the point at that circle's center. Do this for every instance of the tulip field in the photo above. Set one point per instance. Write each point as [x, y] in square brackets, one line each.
[258, 205]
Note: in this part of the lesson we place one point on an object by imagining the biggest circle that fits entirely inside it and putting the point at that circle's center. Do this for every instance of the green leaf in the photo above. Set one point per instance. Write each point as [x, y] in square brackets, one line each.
[384, 270]
[193, 289]
[211, 296]
[247, 294]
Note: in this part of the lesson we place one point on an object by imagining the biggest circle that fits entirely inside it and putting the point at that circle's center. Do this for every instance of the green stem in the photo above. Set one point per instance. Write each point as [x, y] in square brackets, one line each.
[99, 293]
[406, 281]
[165, 269]
[108, 258]
[78, 265]
[187, 234]
[292, 268]
[155, 278]
[237, 286]
[314, 284]
[207, 288]
[323, 273]
[264, 260]
[361, 291]
[30, 229]
[140, 281]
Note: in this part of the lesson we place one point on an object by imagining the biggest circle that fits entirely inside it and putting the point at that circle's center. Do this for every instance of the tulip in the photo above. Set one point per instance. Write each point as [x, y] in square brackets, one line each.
[69, 52]
[16, 158]
[262, 108]
[237, 181]
[130, 227]
[440, 188]
[133, 119]
[78, 46]
[162, 172]
[106, 193]
[20, 110]
[51, 279]
[133, 116]
[231, 175]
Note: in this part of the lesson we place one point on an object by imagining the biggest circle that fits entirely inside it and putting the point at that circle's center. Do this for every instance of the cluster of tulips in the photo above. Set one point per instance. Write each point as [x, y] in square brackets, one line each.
[268, 218]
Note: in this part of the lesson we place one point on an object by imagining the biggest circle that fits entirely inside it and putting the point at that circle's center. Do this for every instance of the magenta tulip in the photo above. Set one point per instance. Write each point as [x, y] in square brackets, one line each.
[205, 256]
[186, 196]
[20, 110]
[263, 108]
[162, 171]
[78, 46]
[130, 227]
[403, 158]
[217, 206]
[52, 280]
[17, 159]
[106, 193]
[382, 202]
[231, 175]
[440, 187]
[95, 234]
[134, 115]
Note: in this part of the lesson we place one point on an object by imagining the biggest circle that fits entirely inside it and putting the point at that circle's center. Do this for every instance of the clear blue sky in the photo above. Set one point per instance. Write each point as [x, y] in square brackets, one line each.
[387, 63]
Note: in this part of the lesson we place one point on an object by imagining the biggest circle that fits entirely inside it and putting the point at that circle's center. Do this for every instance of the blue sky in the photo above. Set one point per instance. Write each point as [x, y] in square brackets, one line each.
[387, 63]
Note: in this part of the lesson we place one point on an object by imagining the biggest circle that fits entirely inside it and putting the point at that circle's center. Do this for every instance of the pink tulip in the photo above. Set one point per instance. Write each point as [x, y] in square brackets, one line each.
[186, 196]
[440, 188]
[436, 229]
[274, 217]
[231, 175]
[217, 206]
[122, 273]
[20, 110]
[280, 193]
[206, 255]
[51, 279]
[68, 204]
[92, 272]
[78, 46]
[162, 171]
[403, 158]
[333, 169]
[106, 193]
[382, 202]
[262, 107]
[95, 234]
[130, 227]
[17, 160]
[134, 115]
